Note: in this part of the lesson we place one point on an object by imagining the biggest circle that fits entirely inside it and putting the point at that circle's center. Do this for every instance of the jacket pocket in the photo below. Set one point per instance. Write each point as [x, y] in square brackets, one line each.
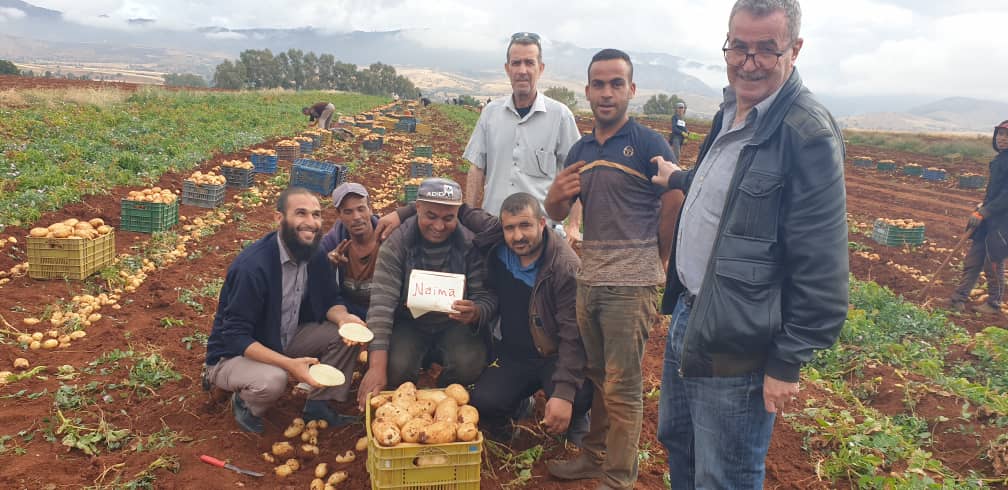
[745, 306]
[757, 207]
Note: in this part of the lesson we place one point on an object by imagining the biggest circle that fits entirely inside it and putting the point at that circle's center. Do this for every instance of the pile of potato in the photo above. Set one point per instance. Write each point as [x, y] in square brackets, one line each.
[264, 151]
[414, 181]
[293, 456]
[51, 339]
[209, 178]
[409, 415]
[373, 137]
[242, 164]
[73, 228]
[423, 160]
[303, 139]
[287, 143]
[903, 224]
[970, 174]
[936, 169]
[154, 194]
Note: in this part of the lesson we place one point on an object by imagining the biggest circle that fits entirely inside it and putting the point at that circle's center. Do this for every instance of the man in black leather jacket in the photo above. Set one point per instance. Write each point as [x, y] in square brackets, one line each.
[759, 273]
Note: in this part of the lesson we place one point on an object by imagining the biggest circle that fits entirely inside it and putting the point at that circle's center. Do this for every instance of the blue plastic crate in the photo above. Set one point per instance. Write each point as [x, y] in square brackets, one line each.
[306, 147]
[264, 164]
[316, 176]
[934, 175]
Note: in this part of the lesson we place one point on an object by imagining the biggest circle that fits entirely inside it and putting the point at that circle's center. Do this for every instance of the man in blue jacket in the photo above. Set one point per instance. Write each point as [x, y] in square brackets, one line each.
[278, 314]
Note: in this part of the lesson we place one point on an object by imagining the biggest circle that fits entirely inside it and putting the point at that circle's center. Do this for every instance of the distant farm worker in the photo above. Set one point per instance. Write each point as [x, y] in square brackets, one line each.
[990, 234]
[278, 315]
[319, 114]
[352, 245]
[537, 345]
[679, 131]
[520, 142]
[433, 241]
[758, 278]
[609, 171]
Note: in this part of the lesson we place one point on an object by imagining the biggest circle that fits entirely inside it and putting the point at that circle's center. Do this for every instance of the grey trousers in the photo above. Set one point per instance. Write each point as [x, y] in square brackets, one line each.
[260, 385]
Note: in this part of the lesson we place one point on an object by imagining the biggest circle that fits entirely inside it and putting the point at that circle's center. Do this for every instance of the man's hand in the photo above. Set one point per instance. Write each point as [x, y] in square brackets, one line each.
[974, 220]
[665, 169]
[351, 318]
[298, 368]
[777, 394]
[567, 183]
[374, 380]
[558, 415]
[465, 311]
[339, 255]
[386, 225]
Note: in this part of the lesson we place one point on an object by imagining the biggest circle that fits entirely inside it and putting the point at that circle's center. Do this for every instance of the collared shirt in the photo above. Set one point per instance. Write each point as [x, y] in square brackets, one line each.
[513, 265]
[621, 207]
[295, 281]
[520, 154]
[701, 215]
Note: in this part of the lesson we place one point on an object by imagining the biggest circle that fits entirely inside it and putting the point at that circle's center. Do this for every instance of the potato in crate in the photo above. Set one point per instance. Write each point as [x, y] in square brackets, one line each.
[421, 167]
[149, 210]
[264, 161]
[373, 142]
[288, 150]
[238, 173]
[423, 439]
[71, 249]
[314, 175]
[898, 232]
[203, 190]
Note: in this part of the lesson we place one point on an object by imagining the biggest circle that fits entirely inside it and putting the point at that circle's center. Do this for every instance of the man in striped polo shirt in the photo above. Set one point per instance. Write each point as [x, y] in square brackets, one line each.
[609, 172]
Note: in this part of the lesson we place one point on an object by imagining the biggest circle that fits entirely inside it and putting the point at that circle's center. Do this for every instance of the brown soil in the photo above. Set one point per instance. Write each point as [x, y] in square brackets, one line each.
[204, 423]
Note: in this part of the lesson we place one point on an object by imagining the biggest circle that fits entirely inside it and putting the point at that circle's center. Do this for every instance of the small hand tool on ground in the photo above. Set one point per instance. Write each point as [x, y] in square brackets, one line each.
[216, 462]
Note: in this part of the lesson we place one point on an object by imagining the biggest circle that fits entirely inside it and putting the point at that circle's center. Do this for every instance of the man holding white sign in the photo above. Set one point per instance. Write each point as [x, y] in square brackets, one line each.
[424, 264]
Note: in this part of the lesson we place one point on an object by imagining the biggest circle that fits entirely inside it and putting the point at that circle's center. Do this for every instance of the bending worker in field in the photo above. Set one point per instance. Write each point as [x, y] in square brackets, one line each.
[278, 314]
[990, 234]
[319, 115]
[537, 344]
[432, 241]
[352, 246]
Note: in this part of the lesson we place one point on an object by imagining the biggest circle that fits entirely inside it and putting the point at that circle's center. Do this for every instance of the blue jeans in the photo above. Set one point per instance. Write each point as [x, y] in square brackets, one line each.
[715, 429]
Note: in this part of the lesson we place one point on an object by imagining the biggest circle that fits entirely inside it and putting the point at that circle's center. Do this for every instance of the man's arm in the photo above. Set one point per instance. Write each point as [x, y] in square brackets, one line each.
[671, 202]
[476, 289]
[476, 153]
[475, 180]
[386, 285]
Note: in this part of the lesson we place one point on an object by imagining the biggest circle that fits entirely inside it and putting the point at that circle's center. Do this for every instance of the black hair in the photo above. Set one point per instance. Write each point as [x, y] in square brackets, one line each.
[520, 201]
[611, 54]
[281, 205]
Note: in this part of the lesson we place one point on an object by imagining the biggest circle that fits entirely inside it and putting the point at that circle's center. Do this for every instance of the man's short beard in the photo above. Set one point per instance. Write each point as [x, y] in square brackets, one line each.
[298, 251]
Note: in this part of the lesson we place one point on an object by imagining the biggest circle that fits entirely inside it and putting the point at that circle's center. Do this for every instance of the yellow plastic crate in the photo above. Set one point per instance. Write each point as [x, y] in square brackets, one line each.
[69, 258]
[451, 466]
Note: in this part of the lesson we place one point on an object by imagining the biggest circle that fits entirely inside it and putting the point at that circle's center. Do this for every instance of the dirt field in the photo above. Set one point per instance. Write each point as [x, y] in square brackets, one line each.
[204, 422]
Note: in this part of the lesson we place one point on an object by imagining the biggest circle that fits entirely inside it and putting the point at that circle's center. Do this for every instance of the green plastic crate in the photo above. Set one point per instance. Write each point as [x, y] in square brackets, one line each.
[895, 237]
[885, 166]
[69, 258]
[411, 192]
[972, 181]
[204, 196]
[913, 170]
[863, 162]
[423, 151]
[147, 217]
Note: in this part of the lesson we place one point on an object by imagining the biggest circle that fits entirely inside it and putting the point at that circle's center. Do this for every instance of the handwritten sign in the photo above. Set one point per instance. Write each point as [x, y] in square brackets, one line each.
[433, 291]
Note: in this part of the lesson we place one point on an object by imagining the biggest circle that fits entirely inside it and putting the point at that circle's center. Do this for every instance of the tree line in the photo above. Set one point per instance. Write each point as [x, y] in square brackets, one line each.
[297, 70]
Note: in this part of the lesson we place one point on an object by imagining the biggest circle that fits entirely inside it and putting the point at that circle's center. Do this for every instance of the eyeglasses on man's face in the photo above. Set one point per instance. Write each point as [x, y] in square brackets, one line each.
[764, 58]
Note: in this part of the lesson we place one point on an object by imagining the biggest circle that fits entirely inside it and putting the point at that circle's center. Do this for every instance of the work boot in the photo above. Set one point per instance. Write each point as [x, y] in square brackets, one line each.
[579, 468]
[319, 410]
[245, 418]
[956, 306]
[987, 309]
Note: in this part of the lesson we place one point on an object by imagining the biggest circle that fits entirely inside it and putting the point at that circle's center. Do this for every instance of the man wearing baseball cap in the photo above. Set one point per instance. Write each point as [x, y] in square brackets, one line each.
[433, 240]
[352, 245]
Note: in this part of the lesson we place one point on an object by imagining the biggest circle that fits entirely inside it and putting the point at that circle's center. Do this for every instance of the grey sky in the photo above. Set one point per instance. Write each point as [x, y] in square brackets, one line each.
[852, 47]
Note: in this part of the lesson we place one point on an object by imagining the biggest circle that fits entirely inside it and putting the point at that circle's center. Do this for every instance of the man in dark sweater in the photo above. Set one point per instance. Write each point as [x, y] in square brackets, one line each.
[352, 245]
[431, 241]
[278, 314]
[319, 114]
[537, 345]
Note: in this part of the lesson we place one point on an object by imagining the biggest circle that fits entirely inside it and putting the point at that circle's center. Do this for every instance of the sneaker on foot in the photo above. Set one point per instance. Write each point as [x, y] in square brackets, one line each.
[245, 418]
[319, 410]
